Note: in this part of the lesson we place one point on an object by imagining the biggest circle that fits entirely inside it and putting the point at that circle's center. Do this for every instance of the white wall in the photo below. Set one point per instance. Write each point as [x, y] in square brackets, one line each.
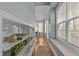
[9, 29]
[23, 10]
[53, 26]
[0, 36]
[52, 15]
[26, 29]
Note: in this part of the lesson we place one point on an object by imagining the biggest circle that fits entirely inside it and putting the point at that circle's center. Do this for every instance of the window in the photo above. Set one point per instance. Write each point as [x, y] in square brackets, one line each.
[62, 30]
[72, 10]
[61, 13]
[74, 32]
[61, 16]
[36, 27]
[69, 29]
[40, 27]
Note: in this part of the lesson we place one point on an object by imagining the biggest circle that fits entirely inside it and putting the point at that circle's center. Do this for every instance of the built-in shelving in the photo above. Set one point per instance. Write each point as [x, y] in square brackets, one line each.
[23, 52]
[9, 20]
[7, 45]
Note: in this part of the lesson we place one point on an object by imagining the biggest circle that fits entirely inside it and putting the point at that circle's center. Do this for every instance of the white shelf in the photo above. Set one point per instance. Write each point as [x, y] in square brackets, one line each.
[7, 45]
[23, 52]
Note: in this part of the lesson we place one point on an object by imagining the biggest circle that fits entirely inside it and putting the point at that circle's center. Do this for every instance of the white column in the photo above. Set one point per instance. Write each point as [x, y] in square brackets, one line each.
[1, 36]
[47, 30]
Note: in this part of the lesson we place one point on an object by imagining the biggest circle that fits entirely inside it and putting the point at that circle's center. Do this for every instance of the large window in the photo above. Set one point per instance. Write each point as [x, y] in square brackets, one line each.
[74, 32]
[68, 29]
[39, 27]
[70, 34]
[61, 13]
[36, 27]
[62, 30]
[61, 16]
[72, 10]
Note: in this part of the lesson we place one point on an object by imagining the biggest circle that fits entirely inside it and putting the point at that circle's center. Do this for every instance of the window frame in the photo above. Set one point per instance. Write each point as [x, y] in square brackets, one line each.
[66, 22]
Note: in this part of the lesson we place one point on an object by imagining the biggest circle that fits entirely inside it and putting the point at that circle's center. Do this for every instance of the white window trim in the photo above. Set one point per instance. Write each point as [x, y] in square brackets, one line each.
[67, 27]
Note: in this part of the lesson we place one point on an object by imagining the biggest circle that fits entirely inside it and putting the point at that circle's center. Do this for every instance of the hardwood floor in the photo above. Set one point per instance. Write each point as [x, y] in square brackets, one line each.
[42, 48]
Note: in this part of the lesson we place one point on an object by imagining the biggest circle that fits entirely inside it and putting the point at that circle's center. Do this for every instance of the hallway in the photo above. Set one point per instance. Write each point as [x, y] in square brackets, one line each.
[42, 48]
[39, 29]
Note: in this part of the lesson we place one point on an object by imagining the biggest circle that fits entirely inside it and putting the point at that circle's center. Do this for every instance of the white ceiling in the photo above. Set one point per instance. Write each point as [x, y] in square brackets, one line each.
[28, 11]
[53, 4]
[22, 10]
[42, 9]
[41, 12]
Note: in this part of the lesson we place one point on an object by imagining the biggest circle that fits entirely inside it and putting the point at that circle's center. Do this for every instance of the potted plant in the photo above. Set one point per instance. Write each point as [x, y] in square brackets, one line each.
[13, 51]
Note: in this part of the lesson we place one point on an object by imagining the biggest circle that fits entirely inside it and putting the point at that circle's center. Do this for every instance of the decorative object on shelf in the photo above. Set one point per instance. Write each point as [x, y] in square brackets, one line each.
[14, 47]
[20, 36]
[13, 38]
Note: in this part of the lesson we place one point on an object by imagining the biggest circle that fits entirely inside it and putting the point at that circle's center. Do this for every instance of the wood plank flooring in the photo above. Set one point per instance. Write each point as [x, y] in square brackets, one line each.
[42, 48]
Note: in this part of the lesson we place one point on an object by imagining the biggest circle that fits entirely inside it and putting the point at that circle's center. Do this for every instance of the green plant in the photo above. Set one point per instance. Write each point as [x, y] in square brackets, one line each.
[16, 48]
[13, 50]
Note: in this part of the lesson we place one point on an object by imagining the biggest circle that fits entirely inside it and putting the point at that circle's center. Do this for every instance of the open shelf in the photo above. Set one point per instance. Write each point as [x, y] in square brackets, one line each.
[9, 22]
[7, 45]
[25, 51]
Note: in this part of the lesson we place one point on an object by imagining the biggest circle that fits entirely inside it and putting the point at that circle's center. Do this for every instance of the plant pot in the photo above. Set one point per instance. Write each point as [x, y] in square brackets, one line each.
[13, 54]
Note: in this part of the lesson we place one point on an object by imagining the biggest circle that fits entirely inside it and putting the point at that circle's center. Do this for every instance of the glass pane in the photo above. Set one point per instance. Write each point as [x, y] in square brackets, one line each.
[62, 29]
[72, 10]
[61, 13]
[36, 27]
[74, 32]
[40, 27]
[70, 31]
